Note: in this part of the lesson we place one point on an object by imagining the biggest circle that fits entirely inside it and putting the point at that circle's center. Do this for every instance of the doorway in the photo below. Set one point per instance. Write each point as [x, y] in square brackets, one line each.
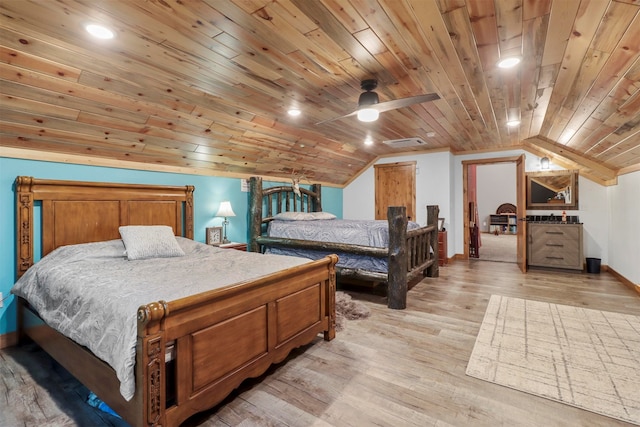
[496, 195]
[472, 223]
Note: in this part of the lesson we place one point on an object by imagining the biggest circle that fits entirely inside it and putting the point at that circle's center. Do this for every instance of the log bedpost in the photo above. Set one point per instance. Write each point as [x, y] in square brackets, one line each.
[316, 202]
[255, 212]
[397, 261]
[433, 211]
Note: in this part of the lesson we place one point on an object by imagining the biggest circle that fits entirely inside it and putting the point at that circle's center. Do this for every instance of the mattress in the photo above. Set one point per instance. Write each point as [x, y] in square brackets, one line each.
[373, 233]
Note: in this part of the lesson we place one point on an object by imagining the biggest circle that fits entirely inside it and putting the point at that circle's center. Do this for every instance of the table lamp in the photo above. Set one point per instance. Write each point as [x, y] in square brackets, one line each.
[225, 211]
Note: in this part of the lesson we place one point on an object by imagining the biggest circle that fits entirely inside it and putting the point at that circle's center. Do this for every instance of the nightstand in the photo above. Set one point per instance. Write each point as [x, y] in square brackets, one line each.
[442, 248]
[233, 245]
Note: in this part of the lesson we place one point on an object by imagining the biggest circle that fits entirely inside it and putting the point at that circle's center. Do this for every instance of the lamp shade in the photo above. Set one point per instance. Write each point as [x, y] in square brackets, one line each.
[225, 210]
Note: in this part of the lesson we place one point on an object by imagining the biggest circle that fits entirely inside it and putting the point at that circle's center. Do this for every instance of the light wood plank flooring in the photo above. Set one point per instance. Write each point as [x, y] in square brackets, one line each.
[396, 368]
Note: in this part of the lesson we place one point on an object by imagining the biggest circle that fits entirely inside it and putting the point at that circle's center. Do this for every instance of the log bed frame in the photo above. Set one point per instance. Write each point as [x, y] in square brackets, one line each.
[411, 253]
[216, 339]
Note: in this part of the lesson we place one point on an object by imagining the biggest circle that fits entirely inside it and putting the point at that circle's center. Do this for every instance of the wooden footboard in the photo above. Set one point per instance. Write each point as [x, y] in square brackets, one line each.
[225, 336]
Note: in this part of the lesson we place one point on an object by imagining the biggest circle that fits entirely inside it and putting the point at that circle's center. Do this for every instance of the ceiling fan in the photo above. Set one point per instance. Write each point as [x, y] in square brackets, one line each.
[370, 107]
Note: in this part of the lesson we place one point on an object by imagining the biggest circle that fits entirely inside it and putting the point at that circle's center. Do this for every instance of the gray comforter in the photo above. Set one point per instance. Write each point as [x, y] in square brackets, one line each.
[91, 293]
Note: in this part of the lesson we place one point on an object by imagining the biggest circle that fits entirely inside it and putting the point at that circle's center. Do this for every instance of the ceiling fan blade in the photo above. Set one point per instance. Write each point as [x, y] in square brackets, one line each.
[338, 118]
[405, 102]
[391, 105]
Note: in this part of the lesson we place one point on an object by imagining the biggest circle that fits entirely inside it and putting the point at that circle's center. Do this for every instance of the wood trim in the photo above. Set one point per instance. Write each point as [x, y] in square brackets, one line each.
[492, 161]
[8, 340]
[43, 156]
[628, 283]
[394, 164]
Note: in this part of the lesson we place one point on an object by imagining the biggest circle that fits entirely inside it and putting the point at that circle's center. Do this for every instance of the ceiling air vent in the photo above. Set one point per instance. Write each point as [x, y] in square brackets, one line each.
[405, 142]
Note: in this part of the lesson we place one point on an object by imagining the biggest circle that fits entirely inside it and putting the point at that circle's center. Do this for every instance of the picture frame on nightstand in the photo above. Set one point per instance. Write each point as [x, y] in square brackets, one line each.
[214, 236]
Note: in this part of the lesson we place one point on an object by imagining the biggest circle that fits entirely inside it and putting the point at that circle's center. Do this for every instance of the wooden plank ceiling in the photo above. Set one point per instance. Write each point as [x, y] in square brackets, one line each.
[206, 85]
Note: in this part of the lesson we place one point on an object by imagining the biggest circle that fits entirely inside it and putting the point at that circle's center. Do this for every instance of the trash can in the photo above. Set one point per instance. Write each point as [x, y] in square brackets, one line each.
[593, 265]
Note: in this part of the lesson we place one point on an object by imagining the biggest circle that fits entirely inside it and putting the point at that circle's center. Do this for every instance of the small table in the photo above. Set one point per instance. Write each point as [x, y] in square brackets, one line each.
[233, 245]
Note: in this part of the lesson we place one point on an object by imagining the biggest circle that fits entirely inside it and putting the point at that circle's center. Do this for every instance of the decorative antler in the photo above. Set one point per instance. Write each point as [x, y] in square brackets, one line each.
[295, 180]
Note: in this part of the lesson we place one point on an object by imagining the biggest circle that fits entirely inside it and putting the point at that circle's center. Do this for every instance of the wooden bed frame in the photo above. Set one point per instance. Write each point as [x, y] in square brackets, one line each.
[217, 338]
[409, 254]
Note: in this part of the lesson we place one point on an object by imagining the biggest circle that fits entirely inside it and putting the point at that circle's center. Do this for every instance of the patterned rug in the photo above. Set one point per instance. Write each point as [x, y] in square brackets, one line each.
[582, 357]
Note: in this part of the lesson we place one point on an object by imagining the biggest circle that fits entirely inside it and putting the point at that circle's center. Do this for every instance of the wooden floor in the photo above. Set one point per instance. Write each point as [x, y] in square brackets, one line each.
[396, 368]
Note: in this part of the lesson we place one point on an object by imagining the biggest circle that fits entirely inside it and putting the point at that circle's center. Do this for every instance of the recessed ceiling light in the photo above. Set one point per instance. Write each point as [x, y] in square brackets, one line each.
[99, 31]
[431, 134]
[294, 112]
[513, 123]
[368, 141]
[509, 62]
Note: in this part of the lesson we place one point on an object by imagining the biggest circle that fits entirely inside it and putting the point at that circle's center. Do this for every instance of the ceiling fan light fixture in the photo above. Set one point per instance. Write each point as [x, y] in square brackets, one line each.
[368, 114]
[368, 98]
[509, 62]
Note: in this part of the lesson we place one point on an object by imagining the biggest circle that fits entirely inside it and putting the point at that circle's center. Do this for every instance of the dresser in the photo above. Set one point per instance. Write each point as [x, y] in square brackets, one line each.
[442, 248]
[555, 245]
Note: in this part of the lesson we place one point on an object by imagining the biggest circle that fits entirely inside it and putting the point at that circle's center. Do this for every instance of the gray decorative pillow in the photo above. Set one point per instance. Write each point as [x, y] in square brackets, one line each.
[149, 241]
[303, 216]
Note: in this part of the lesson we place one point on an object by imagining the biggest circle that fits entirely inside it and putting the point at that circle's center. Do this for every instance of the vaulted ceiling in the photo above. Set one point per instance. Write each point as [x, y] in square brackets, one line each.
[205, 85]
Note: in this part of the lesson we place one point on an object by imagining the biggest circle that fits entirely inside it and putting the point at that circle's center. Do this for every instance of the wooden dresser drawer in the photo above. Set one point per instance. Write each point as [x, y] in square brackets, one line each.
[555, 245]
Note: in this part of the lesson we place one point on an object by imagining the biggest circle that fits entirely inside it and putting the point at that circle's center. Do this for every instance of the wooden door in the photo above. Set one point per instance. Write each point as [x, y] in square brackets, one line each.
[395, 186]
[521, 209]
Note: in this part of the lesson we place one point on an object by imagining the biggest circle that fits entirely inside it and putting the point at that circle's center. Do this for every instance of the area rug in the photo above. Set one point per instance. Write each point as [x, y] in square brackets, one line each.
[348, 309]
[582, 357]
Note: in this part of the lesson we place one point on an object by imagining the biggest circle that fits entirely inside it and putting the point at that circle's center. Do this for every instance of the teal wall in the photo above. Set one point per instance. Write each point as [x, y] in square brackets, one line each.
[210, 191]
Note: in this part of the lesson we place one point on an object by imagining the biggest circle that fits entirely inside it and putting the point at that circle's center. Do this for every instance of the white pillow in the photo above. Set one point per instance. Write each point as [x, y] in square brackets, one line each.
[303, 216]
[149, 241]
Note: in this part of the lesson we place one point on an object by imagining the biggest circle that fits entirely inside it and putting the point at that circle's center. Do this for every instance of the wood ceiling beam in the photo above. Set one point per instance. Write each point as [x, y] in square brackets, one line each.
[565, 157]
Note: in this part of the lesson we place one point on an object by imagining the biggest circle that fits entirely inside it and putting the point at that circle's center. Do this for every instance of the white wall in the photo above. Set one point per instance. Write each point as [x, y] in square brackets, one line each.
[594, 214]
[495, 185]
[358, 198]
[624, 226]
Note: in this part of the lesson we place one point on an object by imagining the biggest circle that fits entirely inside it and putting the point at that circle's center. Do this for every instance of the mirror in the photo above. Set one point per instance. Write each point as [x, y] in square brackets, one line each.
[552, 190]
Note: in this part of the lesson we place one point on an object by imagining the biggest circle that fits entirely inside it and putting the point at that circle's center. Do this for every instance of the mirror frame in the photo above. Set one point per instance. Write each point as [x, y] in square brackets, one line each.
[573, 175]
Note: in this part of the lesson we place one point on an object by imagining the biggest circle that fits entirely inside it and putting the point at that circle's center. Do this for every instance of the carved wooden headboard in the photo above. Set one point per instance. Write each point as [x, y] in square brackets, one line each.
[506, 208]
[75, 212]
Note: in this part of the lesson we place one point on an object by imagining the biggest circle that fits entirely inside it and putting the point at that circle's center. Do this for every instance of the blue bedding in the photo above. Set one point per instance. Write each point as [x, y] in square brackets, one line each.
[355, 232]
